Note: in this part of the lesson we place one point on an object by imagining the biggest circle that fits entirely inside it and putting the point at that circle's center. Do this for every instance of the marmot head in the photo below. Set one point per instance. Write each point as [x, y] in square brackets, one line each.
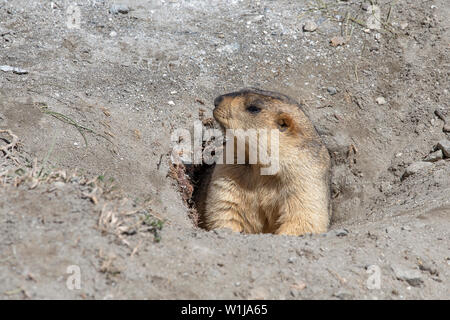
[258, 109]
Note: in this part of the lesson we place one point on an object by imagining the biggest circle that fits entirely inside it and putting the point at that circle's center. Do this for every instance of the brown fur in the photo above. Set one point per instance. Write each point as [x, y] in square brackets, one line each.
[294, 201]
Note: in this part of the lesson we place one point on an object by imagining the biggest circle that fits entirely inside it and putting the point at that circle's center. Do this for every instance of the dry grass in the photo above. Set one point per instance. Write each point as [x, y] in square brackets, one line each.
[81, 129]
[10, 146]
[127, 220]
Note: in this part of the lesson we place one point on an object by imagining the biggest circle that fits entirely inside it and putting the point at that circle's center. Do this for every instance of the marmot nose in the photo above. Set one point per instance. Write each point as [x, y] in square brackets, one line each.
[218, 100]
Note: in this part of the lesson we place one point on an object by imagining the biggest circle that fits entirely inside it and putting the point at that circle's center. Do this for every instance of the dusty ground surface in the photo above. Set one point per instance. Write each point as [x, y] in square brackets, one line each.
[132, 78]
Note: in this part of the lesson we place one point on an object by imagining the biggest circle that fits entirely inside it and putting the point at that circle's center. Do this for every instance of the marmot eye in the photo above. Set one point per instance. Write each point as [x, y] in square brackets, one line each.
[253, 109]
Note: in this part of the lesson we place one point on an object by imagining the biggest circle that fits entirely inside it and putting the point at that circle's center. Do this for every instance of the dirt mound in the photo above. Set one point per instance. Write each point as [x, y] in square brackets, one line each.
[86, 188]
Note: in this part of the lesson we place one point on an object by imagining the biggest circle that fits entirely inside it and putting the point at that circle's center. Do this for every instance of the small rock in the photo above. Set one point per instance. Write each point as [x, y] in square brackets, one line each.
[381, 100]
[112, 34]
[259, 293]
[119, 8]
[13, 69]
[446, 128]
[365, 6]
[332, 90]
[434, 156]
[309, 26]
[411, 276]
[428, 268]
[341, 232]
[337, 41]
[416, 167]
[444, 145]
[171, 103]
[403, 25]
[343, 295]
[299, 286]
[291, 260]
[20, 71]
[406, 228]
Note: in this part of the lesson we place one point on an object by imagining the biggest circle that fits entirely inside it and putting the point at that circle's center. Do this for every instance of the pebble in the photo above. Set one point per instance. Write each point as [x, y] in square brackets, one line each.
[416, 167]
[341, 232]
[343, 295]
[411, 276]
[446, 128]
[434, 156]
[403, 25]
[406, 228]
[13, 69]
[309, 26]
[428, 268]
[119, 8]
[171, 103]
[381, 100]
[332, 90]
[444, 145]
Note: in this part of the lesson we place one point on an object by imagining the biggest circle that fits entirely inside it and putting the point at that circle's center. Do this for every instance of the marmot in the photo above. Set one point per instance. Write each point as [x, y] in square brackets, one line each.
[295, 200]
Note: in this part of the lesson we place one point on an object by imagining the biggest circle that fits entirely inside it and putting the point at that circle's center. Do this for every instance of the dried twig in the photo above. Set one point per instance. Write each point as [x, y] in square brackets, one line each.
[9, 148]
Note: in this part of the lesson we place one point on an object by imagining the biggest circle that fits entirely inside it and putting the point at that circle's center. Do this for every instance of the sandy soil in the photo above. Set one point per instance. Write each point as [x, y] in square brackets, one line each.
[88, 188]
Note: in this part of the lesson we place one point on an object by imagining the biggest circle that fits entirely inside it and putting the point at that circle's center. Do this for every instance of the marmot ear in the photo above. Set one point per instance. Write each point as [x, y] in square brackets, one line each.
[285, 122]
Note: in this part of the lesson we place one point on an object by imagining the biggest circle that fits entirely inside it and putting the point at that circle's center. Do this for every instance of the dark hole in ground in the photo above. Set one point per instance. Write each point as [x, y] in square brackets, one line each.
[200, 176]
[192, 183]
